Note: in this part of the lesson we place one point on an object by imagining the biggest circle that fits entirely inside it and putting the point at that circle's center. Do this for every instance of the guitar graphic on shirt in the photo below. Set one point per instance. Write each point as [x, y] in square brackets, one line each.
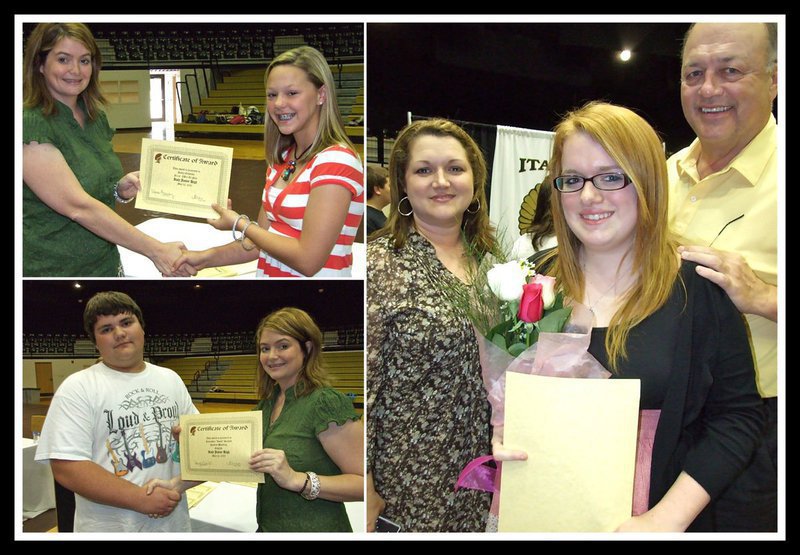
[119, 468]
[173, 448]
[176, 453]
[147, 462]
[132, 459]
[161, 454]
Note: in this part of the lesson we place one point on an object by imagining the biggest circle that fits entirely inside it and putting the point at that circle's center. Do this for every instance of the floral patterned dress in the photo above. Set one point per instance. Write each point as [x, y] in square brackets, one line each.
[427, 413]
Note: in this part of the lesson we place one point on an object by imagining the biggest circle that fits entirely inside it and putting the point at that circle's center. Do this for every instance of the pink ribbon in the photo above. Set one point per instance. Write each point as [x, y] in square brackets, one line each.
[648, 422]
[476, 475]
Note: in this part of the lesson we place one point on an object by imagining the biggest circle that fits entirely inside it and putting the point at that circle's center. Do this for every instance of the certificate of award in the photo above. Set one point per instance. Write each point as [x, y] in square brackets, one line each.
[217, 446]
[184, 178]
[580, 436]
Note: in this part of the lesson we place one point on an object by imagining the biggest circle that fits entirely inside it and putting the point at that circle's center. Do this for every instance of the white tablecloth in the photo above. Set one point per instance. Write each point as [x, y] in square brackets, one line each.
[232, 508]
[199, 236]
[38, 490]
[195, 235]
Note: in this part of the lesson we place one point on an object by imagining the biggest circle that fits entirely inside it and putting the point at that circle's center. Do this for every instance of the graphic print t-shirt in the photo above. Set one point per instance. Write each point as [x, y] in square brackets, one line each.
[122, 422]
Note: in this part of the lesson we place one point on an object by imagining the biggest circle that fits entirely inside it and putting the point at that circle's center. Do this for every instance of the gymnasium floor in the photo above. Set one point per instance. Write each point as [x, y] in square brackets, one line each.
[130, 142]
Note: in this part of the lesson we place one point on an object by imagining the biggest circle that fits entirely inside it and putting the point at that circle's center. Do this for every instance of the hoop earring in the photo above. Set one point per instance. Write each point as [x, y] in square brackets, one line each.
[411, 208]
[477, 208]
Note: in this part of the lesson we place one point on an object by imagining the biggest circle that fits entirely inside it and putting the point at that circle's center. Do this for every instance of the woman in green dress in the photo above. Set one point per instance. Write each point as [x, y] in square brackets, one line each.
[71, 175]
[313, 455]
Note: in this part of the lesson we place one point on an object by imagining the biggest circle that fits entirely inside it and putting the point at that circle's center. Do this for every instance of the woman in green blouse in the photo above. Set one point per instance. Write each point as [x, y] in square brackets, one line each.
[71, 175]
[313, 452]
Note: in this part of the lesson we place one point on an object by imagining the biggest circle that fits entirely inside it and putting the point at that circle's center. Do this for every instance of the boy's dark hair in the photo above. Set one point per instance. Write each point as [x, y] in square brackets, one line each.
[109, 303]
[376, 178]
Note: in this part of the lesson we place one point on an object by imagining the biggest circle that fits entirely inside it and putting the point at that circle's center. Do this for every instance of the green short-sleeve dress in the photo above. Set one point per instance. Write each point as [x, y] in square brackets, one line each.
[296, 433]
[52, 244]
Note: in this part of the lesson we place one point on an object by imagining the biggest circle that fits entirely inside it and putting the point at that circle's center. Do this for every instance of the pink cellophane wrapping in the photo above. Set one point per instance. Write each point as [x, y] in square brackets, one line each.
[563, 355]
[554, 354]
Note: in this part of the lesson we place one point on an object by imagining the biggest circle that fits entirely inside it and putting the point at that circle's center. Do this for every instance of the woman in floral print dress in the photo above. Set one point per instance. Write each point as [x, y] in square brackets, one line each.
[427, 413]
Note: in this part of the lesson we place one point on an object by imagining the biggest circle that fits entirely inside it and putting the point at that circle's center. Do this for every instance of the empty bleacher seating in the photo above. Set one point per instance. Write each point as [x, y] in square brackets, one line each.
[85, 347]
[233, 378]
[128, 45]
[245, 87]
[346, 373]
[178, 344]
[218, 366]
[220, 48]
[230, 378]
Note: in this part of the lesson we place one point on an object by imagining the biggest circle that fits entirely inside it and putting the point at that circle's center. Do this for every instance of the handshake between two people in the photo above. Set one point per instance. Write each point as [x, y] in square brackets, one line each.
[186, 263]
[164, 495]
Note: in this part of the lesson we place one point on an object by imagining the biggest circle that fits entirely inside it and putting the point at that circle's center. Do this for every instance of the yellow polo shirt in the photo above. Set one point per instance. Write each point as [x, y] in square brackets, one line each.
[735, 209]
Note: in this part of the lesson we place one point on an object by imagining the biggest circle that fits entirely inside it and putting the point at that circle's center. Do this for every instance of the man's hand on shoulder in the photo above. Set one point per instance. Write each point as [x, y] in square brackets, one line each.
[730, 271]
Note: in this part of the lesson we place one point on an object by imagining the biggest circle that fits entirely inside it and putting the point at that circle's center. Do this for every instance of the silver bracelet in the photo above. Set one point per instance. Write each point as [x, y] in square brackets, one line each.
[304, 485]
[314, 490]
[119, 198]
[244, 234]
[236, 224]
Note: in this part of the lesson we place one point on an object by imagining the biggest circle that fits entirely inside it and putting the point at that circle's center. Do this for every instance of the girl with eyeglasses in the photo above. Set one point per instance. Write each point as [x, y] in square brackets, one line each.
[655, 319]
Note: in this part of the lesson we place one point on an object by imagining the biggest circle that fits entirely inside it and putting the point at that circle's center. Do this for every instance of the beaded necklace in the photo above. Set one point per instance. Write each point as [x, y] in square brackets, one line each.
[292, 166]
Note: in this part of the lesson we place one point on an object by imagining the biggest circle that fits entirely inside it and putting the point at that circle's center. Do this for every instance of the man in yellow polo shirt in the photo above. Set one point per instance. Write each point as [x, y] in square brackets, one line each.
[724, 187]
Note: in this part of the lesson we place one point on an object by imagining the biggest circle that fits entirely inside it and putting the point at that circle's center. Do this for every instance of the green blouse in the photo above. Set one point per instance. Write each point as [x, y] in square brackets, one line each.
[295, 432]
[52, 244]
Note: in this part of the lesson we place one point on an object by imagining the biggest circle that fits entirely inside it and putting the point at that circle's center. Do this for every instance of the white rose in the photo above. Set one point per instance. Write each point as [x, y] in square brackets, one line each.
[548, 289]
[506, 280]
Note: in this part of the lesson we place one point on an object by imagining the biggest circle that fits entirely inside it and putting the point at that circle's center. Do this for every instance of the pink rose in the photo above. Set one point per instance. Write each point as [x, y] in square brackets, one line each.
[531, 306]
[548, 289]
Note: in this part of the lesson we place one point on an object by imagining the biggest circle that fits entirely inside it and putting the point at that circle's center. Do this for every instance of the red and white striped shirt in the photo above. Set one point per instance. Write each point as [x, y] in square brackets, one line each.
[336, 165]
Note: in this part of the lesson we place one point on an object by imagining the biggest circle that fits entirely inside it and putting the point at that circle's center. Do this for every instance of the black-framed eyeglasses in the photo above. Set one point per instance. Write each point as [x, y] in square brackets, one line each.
[601, 181]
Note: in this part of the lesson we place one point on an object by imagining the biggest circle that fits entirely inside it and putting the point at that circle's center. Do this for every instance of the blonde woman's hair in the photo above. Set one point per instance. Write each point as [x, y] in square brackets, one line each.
[331, 126]
[299, 325]
[40, 42]
[477, 229]
[637, 149]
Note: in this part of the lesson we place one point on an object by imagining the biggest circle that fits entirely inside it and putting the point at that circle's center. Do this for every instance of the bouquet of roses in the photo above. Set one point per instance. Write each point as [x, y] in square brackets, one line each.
[522, 326]
[528, 304]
